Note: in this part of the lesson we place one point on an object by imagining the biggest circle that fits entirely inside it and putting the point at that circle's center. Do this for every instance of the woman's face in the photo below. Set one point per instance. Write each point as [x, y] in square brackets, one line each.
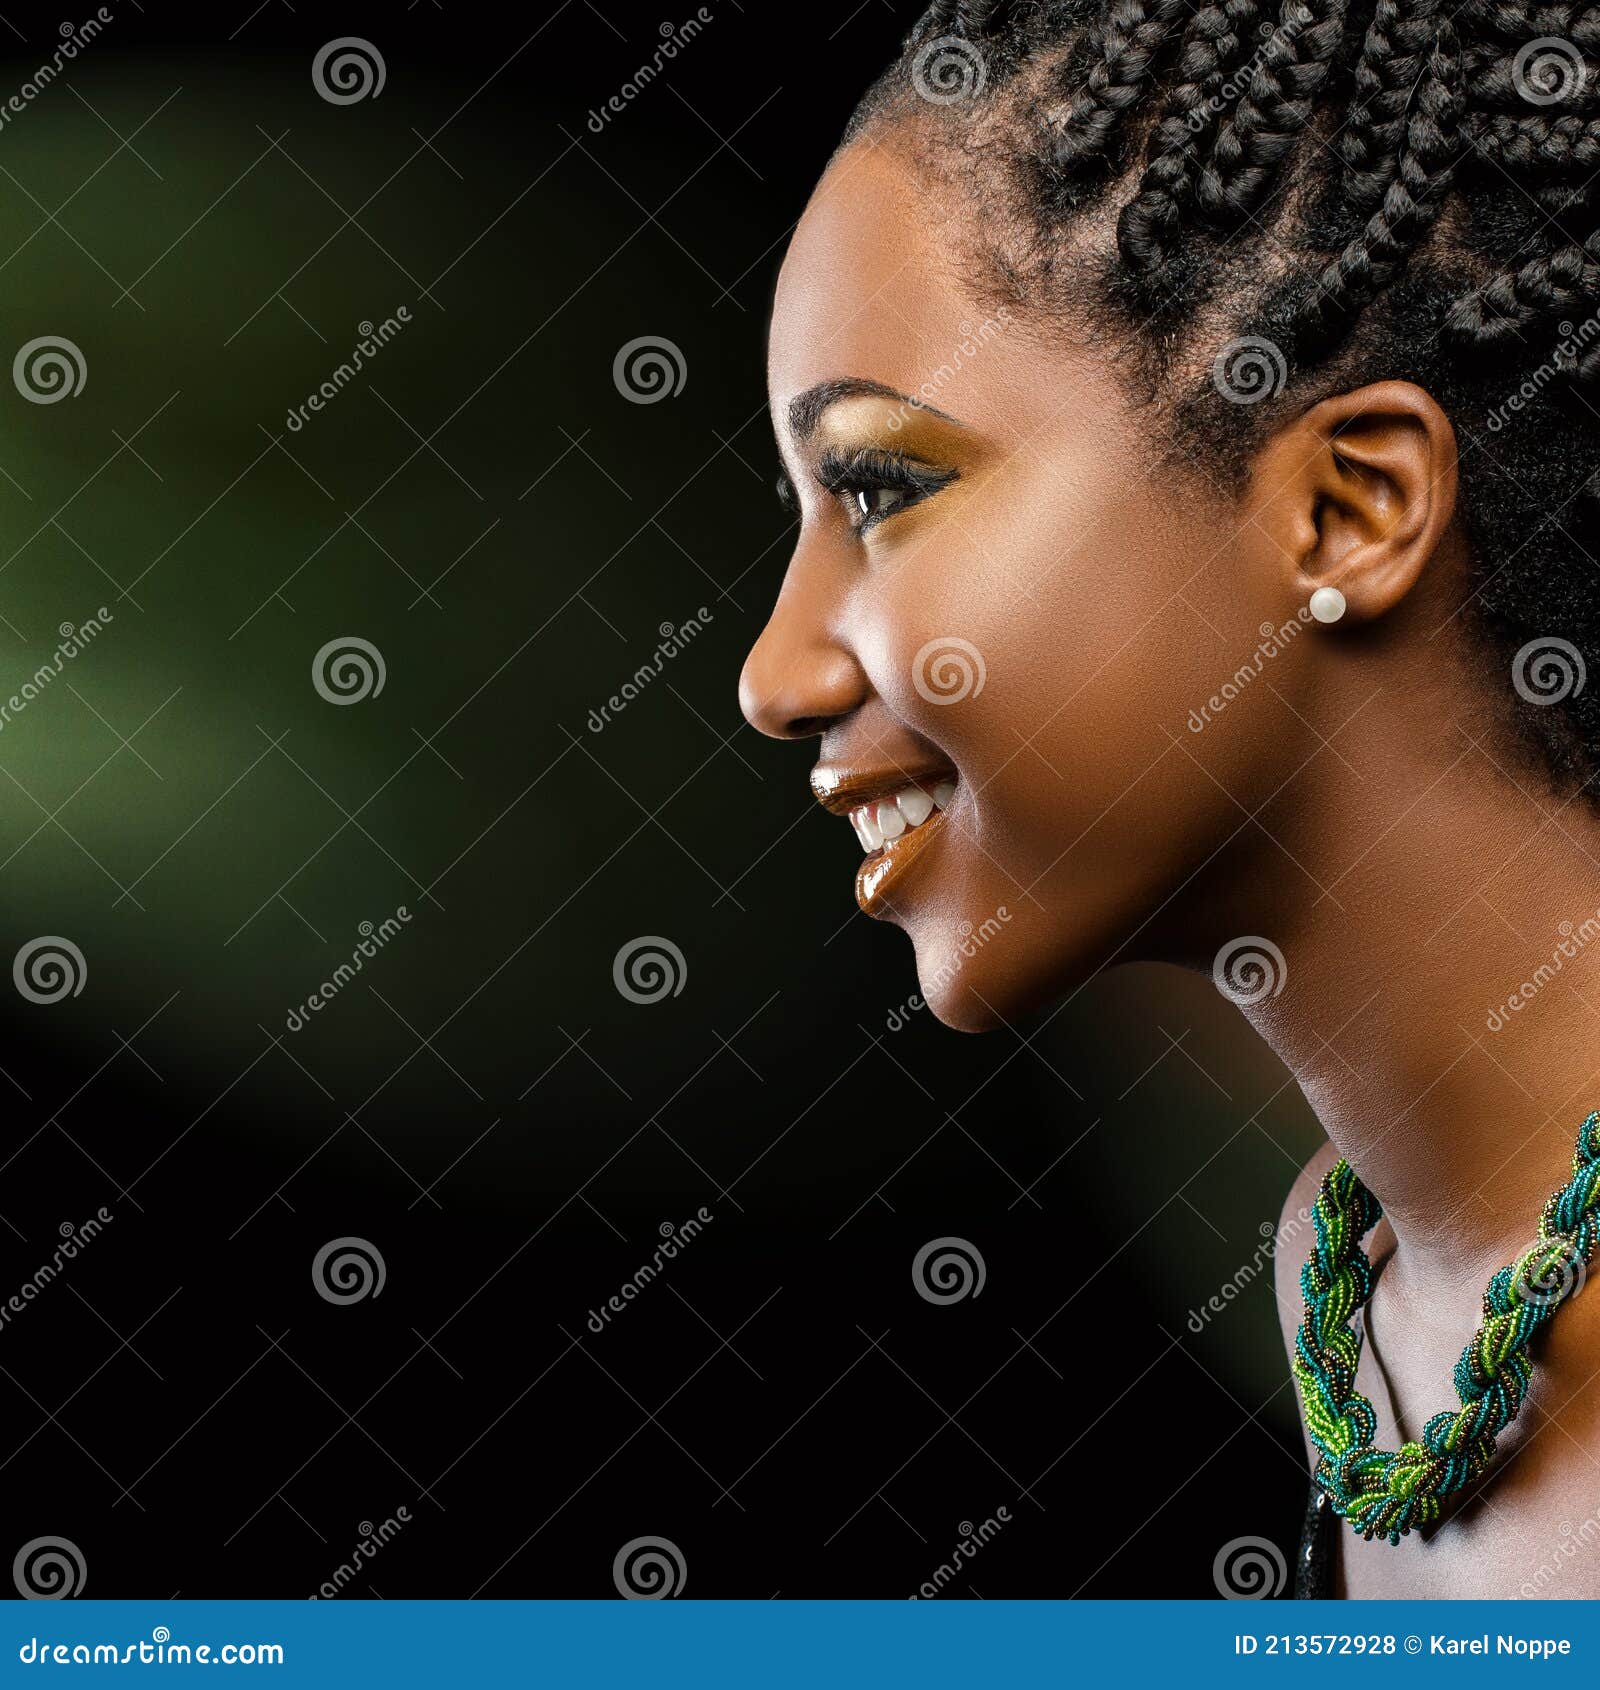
[997, 619]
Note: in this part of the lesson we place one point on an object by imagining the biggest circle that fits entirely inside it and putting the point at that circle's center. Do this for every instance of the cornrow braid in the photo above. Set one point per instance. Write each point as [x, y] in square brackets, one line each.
[1252, 143]
[1214, 48]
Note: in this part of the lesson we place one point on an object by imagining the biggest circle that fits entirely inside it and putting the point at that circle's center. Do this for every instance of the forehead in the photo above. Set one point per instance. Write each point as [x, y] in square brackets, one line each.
[873, 286]
[868, 288]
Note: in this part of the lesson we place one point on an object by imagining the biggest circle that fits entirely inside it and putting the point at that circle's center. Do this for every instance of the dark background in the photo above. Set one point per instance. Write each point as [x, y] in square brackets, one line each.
[482, 1105]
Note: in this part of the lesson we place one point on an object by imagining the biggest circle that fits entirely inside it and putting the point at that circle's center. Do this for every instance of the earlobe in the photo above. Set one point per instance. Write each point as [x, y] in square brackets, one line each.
[1359, 493]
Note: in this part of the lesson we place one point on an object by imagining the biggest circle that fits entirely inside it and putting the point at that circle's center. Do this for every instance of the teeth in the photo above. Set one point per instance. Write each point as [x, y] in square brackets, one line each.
[881, 823]
[915, 805]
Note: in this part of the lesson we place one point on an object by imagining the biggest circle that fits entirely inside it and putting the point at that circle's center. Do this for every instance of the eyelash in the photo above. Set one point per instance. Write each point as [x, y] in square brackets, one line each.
[849, 475]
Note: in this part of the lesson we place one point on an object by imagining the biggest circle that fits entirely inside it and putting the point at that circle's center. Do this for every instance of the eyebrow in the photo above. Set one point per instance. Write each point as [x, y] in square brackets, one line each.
[807, 409]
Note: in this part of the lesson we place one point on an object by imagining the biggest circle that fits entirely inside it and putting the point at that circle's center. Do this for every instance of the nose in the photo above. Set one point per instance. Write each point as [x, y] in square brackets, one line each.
[799, 678]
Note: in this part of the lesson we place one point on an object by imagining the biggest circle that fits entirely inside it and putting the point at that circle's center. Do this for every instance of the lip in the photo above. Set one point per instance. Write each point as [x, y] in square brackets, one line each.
[843, 790]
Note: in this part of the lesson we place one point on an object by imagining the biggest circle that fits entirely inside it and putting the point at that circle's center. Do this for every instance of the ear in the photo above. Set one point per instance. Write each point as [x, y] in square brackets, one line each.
[1358, 494]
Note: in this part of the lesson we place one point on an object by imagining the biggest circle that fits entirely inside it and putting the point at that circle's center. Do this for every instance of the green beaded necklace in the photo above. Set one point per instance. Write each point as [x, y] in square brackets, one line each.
[1385, 1493]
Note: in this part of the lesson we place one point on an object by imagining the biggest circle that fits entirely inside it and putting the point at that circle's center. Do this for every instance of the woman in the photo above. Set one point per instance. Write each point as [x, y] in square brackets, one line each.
[1188, 414]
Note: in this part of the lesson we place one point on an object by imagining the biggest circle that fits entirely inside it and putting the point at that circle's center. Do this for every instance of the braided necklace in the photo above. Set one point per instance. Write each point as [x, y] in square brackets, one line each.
[1385, 1493]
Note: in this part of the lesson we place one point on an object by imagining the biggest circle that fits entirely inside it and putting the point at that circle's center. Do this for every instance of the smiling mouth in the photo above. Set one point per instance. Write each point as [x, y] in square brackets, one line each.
[895, 820]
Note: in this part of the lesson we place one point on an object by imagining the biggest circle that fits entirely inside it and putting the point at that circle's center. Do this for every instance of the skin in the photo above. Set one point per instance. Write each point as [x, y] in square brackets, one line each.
[1357, 801]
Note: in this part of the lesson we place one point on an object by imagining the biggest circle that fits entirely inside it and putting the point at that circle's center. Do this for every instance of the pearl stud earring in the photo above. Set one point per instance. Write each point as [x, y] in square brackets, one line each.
[1327, 604]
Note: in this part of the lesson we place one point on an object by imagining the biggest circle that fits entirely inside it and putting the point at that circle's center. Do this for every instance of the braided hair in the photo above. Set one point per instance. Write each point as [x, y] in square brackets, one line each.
[1352, 190]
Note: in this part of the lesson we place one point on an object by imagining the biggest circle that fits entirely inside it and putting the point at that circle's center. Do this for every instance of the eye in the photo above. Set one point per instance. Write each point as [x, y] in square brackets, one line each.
[874, 485]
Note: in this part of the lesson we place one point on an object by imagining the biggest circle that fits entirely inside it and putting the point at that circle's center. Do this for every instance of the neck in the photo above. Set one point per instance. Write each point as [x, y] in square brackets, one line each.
[1441, 1010]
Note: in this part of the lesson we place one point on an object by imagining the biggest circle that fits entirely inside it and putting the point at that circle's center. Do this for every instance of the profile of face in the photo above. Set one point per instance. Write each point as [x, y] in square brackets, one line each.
[1016, 628]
